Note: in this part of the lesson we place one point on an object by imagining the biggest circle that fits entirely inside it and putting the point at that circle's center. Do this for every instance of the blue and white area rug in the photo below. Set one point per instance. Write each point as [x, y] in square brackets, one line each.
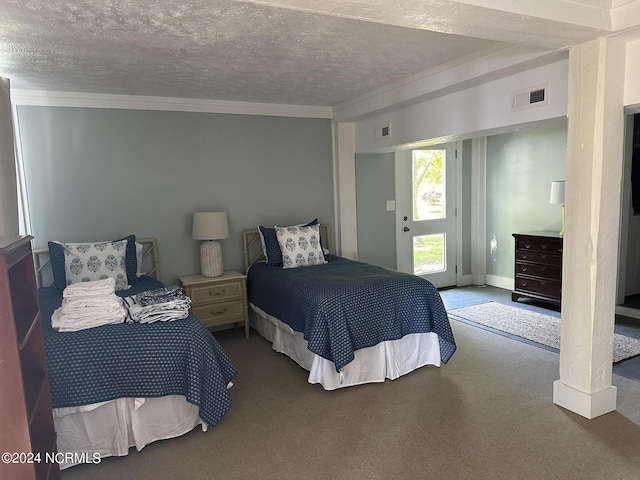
[536, 327]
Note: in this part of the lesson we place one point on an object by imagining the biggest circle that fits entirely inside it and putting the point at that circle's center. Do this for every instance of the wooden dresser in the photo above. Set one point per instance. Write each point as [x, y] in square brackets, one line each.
[27, 434]
[538, 267]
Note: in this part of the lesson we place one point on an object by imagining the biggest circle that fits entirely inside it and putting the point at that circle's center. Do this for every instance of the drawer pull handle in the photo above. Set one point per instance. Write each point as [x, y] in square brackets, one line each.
[526, 245]
[524, 269]
[524, 284]
[219, 312]
[544, 257]
[525, 256]
[544, 247]
[543, 268]
[222, 292]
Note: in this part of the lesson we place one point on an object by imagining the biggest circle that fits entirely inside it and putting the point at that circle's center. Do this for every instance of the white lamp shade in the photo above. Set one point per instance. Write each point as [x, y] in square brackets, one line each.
[557, 193]
[210, 226]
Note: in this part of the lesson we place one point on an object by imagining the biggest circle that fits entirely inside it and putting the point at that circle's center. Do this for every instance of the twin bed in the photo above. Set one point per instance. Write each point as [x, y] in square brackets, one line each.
[346, 322]
[126, 385]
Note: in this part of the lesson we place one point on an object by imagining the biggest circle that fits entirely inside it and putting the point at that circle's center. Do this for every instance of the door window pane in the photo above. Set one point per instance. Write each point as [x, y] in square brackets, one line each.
[429, 254]
[428, 173]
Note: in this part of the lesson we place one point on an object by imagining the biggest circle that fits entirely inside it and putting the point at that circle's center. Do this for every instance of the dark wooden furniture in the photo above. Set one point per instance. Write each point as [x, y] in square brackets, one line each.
[538, 267]
[27, 431]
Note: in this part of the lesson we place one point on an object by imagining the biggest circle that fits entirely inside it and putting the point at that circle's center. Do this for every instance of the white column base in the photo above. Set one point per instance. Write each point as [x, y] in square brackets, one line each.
[589, 405]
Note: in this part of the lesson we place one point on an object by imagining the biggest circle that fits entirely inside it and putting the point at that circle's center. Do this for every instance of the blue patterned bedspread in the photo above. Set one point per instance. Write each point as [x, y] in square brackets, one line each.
[136, 360]
[345, 305]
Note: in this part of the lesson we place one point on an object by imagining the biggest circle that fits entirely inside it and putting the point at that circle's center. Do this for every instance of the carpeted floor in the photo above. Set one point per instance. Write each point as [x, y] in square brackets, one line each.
[487, 414]
[538, 327]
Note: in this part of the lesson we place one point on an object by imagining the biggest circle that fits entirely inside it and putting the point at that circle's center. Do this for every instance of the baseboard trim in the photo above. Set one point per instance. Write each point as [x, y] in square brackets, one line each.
[589, 405]
[500, 282]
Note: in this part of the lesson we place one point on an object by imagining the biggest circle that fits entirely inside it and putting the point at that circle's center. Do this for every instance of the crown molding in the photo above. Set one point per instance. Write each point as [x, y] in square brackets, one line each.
[43, 98]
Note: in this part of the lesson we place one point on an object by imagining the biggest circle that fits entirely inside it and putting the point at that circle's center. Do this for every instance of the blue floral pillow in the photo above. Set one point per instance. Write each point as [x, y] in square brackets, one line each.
[59, 267]
[300, 246]
[270, 245]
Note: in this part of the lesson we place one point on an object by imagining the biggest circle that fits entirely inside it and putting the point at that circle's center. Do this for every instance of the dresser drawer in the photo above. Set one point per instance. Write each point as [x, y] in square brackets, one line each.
[539, 244]
[539, 257]
[219, 292]
[220, 313]
[546, 288]
[545, 272]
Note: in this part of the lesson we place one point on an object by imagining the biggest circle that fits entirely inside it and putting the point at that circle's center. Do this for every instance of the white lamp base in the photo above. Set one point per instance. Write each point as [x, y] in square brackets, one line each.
[211, 258]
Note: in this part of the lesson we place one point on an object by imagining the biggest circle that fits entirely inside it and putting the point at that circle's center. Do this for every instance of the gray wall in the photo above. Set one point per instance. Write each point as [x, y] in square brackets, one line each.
[98, 174]
[375, 184]
[520, 169]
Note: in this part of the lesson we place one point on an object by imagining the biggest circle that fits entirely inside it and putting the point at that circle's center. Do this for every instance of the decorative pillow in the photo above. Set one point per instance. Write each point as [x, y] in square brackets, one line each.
[270, 245]
[88, 262]
[57, 256]
[300, 246]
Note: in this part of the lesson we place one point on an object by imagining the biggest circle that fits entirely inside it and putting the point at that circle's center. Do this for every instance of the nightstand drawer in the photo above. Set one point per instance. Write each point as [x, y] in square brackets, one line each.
[216, 293]
[219, 313]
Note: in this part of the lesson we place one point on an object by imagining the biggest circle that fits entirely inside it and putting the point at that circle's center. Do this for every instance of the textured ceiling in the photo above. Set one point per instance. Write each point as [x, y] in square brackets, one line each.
[288, 52]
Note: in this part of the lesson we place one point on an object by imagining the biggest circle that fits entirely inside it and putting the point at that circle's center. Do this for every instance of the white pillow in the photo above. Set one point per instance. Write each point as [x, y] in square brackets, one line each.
[300, 246]
[87, 262]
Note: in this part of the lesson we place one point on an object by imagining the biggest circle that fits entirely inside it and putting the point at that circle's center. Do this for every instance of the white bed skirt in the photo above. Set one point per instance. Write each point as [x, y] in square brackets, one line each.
[390, 359]
[110, 428]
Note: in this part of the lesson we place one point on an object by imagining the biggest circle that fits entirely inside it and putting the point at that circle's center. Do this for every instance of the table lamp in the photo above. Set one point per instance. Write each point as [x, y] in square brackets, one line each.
[210, 226]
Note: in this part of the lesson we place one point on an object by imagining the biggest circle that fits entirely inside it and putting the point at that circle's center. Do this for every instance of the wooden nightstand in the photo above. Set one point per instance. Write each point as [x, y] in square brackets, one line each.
[218, 300]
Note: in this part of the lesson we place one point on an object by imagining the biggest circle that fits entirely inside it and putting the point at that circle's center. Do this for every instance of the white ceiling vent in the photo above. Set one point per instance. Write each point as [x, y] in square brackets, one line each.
[530, 97]
[383, 132]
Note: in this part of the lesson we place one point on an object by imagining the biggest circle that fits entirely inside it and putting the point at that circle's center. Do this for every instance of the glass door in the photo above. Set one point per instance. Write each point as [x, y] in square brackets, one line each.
[427, 214]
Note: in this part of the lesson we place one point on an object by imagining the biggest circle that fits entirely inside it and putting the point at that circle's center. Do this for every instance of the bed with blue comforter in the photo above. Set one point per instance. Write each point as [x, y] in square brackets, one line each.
[126, 385]
[156, 359]
[344, 307]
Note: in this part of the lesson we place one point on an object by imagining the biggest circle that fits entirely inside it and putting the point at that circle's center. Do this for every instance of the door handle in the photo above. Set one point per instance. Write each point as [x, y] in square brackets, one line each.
[406, 229]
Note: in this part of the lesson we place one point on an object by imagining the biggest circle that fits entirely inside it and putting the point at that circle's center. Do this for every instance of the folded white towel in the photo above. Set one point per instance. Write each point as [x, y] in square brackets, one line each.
[106, 286]
[88, 305]
[71, 323]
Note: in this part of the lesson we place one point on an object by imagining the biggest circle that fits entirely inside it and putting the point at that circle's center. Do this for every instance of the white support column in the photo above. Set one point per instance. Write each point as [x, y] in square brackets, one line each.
[593, 186]
[344, 168]
[479, 210]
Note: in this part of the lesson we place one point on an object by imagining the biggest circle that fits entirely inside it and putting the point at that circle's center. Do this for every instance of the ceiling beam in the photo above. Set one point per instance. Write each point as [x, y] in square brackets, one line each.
[543, 23]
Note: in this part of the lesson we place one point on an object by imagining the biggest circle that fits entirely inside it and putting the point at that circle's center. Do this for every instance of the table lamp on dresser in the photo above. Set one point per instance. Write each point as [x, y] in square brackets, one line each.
[210, 227]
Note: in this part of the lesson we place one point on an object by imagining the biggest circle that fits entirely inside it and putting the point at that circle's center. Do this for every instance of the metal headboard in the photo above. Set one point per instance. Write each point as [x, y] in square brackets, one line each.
[150, 261]
[252, 245]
